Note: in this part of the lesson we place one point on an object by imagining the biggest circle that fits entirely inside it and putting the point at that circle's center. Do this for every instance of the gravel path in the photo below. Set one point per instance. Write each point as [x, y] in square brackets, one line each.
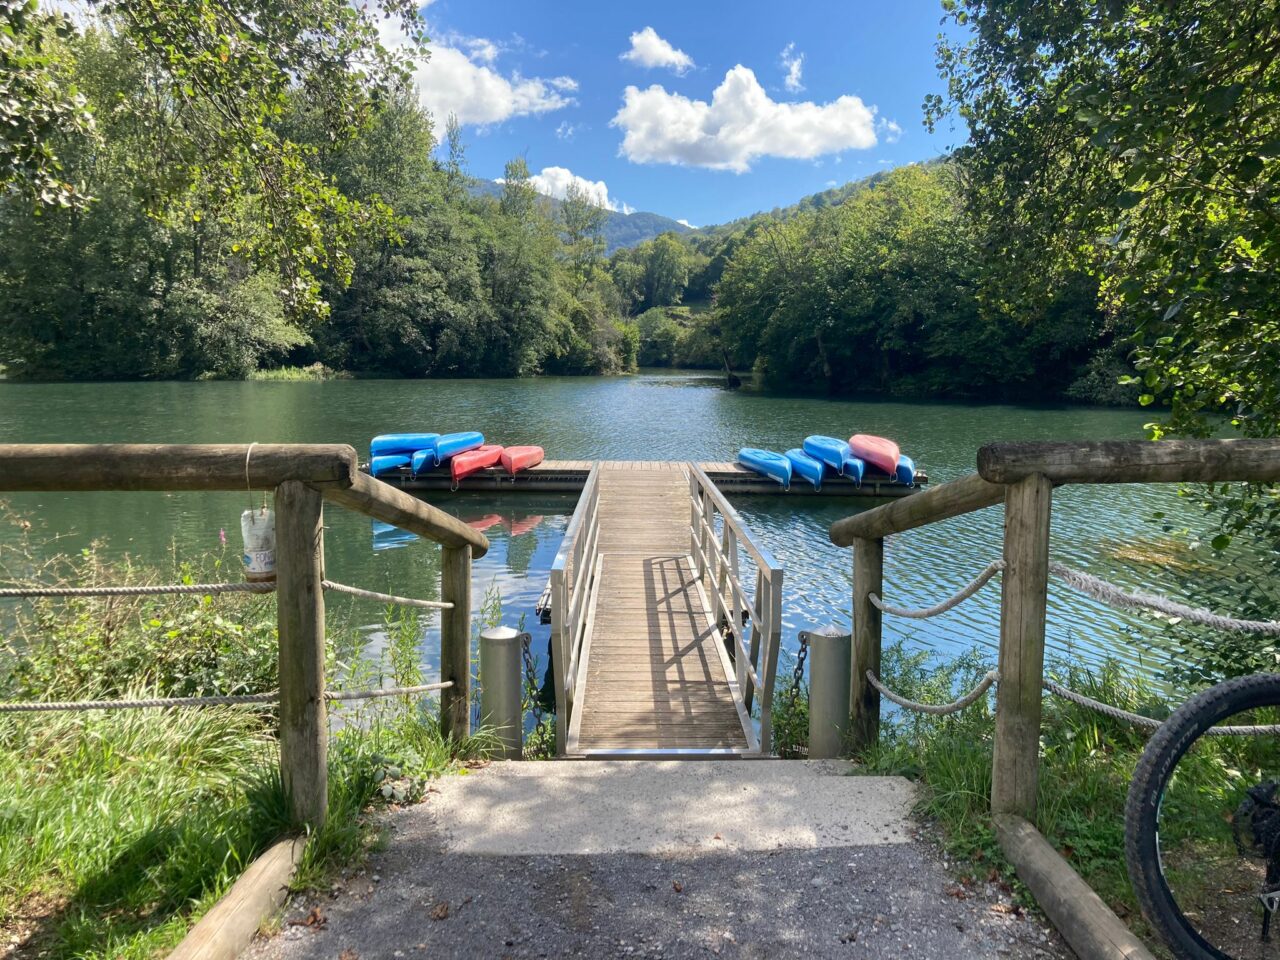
[417, 899]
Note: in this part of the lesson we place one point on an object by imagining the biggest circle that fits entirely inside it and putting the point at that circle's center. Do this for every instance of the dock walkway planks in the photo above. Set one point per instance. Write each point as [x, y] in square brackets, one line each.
[656, 676]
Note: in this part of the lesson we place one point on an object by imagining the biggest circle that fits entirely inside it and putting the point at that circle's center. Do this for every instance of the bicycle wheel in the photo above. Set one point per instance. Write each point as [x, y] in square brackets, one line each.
[1202, 824]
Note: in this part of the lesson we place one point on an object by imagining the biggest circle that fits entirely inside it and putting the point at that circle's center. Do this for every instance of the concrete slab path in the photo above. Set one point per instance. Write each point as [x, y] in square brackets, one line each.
[751, 858]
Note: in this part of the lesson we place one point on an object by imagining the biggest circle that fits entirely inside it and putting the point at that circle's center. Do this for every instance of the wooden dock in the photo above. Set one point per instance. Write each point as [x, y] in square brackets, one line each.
[570, 476]
[643, 592]
[657, 677]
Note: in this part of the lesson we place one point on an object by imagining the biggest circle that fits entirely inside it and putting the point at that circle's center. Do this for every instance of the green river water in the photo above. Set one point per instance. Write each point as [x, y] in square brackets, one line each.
[653, 415]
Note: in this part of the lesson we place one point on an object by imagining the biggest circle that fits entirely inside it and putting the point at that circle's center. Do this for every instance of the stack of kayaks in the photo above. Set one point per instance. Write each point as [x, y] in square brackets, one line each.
[466, 454]
[861, 455]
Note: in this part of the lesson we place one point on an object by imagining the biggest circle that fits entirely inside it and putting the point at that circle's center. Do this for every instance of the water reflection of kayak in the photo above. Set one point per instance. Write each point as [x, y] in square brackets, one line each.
[485, 522]
[527, 525]
[385, 536]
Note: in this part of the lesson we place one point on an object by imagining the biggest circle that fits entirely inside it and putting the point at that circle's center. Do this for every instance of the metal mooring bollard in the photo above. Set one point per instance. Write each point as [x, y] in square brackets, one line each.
[830, 653]
[500, 665]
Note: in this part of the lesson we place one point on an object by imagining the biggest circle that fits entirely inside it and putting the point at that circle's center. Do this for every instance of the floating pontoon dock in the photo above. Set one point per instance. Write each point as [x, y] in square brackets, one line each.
[570, 476]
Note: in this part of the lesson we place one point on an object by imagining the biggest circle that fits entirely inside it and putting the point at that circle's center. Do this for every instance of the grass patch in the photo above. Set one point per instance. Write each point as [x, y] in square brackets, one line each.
[120, 828]
[1086, 764]
[316, 371]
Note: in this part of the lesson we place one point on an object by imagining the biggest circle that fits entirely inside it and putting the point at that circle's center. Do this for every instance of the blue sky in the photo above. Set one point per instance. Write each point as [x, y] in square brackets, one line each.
[700, 111]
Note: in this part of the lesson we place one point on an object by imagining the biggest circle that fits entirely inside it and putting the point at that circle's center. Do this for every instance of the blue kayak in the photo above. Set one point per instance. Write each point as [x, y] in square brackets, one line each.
[387, 463]
[445, 446]
[803, 465]
[406, 443]
[906, 472]
[836, 454]
[768, 463]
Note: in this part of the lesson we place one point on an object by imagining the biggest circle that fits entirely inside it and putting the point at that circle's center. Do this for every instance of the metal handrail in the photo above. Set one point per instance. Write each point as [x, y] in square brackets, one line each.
[573, 580]
[719, 571]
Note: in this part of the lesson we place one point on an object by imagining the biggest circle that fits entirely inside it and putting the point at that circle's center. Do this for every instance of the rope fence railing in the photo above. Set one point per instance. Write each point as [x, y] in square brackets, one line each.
[1106, 709]
[390, 598]
[936, 709]
[1114, 596]
[1100, 590]
[234, 700]
[139, 590]
[965, 592]
[245, 586]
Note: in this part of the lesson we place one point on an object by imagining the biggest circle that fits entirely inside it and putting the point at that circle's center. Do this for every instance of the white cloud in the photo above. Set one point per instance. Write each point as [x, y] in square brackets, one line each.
[687, 224]
[481, 50]
[555, 182]
[739, 125]
[891, 132]
[566, 130]
[627, 208]
[650, 50]
[793, 63]
[459, 78]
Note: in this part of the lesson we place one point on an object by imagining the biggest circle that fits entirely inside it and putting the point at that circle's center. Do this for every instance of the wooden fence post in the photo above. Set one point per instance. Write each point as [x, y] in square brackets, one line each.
[455, 641]
[864, 699]
[1024, 592]
[304, 731]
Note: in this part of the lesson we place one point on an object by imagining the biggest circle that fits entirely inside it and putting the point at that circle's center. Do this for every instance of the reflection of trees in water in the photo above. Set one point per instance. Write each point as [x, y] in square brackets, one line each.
[523, 543]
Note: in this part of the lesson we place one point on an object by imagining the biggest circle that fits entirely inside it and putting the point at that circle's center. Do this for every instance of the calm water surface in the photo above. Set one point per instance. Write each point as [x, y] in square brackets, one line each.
[654, 415]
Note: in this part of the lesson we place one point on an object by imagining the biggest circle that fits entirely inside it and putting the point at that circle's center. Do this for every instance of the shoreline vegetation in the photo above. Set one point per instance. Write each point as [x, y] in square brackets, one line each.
[881, 285]
[124, 827]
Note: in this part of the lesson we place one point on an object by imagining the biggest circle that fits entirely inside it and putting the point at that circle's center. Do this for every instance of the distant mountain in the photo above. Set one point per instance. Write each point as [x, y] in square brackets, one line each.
[620, 229]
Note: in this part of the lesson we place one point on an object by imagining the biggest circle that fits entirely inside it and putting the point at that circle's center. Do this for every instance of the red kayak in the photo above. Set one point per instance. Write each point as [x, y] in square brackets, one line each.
[473, 461]
[515, 459]
[876, 452]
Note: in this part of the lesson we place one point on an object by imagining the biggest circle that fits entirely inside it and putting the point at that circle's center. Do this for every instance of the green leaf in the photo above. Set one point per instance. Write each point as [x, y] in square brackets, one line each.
[1221, 541]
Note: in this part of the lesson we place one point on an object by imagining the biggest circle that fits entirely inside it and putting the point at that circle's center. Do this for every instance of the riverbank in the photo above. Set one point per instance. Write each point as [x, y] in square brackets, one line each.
[123, 827]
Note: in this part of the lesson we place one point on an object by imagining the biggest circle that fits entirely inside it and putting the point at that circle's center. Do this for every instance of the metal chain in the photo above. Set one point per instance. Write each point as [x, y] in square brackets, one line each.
[797, 675]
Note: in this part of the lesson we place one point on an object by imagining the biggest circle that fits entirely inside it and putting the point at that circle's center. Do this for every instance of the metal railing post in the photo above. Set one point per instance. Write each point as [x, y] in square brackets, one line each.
[830, 661]
[500, 675]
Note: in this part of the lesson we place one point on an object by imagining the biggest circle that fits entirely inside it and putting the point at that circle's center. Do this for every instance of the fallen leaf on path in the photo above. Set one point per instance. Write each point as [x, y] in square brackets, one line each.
[959, 893]
[348, 954]
[677, 886]
[315, 919]
[440, 911]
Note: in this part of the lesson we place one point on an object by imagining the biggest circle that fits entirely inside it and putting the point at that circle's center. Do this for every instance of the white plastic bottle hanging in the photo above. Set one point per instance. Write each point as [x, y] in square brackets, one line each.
[258, 530]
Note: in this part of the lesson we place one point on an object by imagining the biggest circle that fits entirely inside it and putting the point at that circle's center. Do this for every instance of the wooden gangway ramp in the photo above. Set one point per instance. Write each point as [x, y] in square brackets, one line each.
[655, 672]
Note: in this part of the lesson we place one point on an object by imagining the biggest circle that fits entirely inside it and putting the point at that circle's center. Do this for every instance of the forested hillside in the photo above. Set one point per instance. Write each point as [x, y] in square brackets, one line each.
[125, 286]
[399, 263]
[618, 230]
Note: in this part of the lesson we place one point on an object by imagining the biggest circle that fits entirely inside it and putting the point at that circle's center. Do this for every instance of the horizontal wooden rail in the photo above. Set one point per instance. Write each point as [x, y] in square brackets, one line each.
[940, 503]
[384, 502]
[1133, 461]
[331, 468]
[173, 466]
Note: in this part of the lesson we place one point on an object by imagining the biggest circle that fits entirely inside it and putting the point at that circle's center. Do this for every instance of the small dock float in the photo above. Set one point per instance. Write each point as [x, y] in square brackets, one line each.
[570, 476]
